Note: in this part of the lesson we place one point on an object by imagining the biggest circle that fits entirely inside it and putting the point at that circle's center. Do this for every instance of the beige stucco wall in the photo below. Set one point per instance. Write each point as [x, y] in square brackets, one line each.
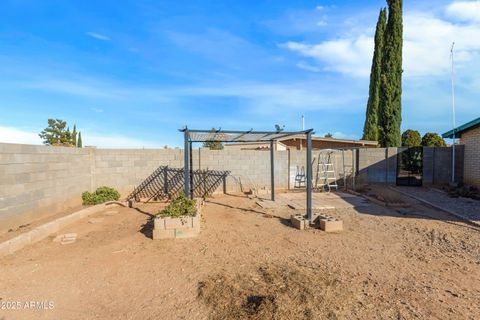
[471, 140]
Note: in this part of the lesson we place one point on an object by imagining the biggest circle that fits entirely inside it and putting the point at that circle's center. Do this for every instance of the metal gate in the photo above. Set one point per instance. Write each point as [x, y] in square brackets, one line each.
[410, 167]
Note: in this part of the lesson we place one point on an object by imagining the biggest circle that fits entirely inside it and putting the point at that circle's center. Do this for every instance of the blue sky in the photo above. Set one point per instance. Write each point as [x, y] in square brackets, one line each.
[130, 73]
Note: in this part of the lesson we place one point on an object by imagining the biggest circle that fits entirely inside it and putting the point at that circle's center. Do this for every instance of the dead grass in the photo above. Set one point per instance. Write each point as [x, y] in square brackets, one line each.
[275, 292]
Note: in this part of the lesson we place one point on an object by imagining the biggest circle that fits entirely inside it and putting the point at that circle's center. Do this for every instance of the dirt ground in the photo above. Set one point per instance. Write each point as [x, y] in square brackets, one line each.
[408, 263]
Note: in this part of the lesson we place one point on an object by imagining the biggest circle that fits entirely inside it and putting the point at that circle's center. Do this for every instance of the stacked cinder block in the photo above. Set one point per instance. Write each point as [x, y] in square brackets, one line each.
[177, 228]
[324, 222]
[330, 224]
[174, 228]
[299, 221]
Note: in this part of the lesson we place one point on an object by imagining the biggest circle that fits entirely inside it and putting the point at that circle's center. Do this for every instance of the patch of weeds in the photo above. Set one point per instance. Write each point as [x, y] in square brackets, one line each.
[465, 191]
[180, 207]
[275, 292]
[101, 195]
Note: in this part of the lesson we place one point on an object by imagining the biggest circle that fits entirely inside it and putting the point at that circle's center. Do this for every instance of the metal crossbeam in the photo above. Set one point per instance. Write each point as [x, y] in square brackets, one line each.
[235, 136]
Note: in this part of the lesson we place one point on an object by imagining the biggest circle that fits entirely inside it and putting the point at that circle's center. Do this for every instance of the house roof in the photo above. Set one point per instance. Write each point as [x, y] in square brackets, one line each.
[302, 137]
[457, 132]
[364, 142]
[253, 143]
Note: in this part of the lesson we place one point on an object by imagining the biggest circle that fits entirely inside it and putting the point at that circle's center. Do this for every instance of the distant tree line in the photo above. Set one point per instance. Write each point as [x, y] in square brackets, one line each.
[58, 134]
[411, 138]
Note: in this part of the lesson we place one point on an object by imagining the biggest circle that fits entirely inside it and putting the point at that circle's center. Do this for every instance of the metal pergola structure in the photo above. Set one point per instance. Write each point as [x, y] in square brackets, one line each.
[193, 136]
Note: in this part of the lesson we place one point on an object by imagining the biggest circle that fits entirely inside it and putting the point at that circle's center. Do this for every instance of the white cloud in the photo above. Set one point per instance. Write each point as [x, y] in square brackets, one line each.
[265, 98]
[340, 135]
[464, 10]
[16, 135]
[261, 97]
[308, 67]
[427, 41]
[21, 136]
[78, 87]
[98, 36]
[117, 141]
[348, 56]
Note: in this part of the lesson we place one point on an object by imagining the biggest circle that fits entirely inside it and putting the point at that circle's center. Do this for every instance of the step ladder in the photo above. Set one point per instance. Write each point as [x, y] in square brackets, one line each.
[326, 177]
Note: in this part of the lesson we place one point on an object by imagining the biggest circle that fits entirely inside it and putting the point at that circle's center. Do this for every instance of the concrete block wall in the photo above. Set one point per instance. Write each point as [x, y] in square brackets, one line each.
[375, 165]
[380, 165]
[37, 181]
[124, 169]
[297, 163]
[437, 165]
[248, 168]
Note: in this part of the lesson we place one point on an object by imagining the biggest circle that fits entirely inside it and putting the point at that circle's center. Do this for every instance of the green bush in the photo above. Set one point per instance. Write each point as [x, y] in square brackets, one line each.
[179, 207]
[101, 195]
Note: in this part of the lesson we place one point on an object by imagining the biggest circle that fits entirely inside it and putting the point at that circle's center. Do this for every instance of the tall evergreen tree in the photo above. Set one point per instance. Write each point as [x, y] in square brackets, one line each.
[74, 135]
[370, 129]
[390, 107]
[68, 137]
[79, 141]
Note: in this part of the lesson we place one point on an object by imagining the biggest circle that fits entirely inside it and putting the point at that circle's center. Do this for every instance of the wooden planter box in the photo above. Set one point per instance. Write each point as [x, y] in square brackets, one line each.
[176, 228]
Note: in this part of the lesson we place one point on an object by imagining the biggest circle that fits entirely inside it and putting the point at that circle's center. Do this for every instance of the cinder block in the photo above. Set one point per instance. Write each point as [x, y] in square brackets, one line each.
[173, 223]
[298, 221]
[163, 234]
[185, 233]
[159, 223]
[331, 225]
[195, 222]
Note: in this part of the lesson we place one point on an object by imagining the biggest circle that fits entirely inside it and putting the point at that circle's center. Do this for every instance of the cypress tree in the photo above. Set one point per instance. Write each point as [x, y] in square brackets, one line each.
[370, 129]
[390, 108]
[79, 141]
[74, 135]
[68, 137]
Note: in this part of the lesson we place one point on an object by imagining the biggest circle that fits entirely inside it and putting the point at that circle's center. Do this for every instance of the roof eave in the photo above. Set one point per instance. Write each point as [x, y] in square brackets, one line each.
[457, 132]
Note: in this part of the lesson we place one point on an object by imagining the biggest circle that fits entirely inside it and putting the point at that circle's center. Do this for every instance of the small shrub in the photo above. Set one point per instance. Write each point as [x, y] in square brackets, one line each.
[179, 207]
[101, 195]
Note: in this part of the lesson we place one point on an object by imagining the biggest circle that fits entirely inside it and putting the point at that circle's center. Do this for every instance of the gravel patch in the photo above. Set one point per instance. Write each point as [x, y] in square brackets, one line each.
[468, 208]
